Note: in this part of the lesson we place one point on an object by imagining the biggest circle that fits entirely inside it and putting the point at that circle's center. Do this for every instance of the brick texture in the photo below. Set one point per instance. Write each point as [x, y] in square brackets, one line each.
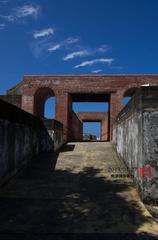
[36, 89]
[96, 116]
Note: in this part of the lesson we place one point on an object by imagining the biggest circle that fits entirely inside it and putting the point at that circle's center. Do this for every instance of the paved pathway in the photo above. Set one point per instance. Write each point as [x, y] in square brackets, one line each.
[90, 191]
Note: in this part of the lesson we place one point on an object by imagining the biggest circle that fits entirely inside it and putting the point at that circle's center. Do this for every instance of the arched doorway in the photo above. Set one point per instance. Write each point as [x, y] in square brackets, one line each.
[45, 103]
[49, 108]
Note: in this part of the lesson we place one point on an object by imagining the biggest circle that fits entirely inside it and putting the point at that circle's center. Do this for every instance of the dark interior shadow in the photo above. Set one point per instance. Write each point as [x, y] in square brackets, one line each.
[67, 148]
[81, 236]
[89, 141]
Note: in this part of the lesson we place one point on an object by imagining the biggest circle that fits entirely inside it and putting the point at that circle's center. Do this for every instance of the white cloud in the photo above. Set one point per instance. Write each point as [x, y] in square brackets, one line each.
[97, 71]
[22, 12]
[45, 44]
[103, 49]
[43, 33]
[2, 26]
[71, 40]
[54, 48]
[85, 52]
[95, 61]
[40, 47]
[27, 10]
[75, 54]
[8, 18]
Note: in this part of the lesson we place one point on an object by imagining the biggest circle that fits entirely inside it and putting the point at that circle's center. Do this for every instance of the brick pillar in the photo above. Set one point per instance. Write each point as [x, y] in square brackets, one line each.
[39, 103]
[116, 105]
[63, 112]
[104, 129]
[28, 103]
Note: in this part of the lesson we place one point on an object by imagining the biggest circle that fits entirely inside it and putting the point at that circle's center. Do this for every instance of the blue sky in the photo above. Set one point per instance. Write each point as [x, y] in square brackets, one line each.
[77, 37]
[110, 36]
[92, 128]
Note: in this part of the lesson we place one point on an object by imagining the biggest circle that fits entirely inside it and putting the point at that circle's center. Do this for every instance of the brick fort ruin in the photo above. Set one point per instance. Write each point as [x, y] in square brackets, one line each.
[32, 92]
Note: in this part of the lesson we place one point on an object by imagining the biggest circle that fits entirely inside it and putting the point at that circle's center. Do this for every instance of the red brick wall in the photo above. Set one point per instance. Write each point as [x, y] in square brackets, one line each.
[96, 116]
[64, 85]
[76, 128]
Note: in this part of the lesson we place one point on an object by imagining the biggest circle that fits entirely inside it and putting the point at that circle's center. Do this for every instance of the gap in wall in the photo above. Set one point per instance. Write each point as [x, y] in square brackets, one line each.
[92, 131]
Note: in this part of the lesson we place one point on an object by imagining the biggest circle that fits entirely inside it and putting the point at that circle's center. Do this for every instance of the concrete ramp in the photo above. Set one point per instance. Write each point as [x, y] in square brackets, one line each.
[90, 191]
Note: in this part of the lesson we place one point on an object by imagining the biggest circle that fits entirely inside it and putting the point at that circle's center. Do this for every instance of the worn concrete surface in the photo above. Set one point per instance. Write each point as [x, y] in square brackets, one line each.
[22, 136]
[135, 134]
[90, 191]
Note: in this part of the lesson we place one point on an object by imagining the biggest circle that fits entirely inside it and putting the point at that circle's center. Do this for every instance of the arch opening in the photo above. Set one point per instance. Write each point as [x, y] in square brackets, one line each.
[49, 108]
[45, 103]
[92, 130]
[92, 110]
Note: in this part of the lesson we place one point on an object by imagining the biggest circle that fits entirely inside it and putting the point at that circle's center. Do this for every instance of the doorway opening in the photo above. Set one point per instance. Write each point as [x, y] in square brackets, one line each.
[91, 131]
[90, 114]
[45, 103]
[49, 108]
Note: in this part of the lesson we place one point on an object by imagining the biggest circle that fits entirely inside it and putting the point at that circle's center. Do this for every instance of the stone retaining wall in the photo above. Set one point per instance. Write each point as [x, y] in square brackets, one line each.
[22, 136]
[135, 135]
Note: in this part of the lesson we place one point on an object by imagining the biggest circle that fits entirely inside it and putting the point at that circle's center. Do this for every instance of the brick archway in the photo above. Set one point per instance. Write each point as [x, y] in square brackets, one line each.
[35, 89]
[102, 117]
[40, 97]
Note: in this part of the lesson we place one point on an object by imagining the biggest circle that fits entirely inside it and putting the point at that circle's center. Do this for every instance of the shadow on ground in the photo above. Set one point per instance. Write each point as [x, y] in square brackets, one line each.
[41, 203]
[67, 148]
